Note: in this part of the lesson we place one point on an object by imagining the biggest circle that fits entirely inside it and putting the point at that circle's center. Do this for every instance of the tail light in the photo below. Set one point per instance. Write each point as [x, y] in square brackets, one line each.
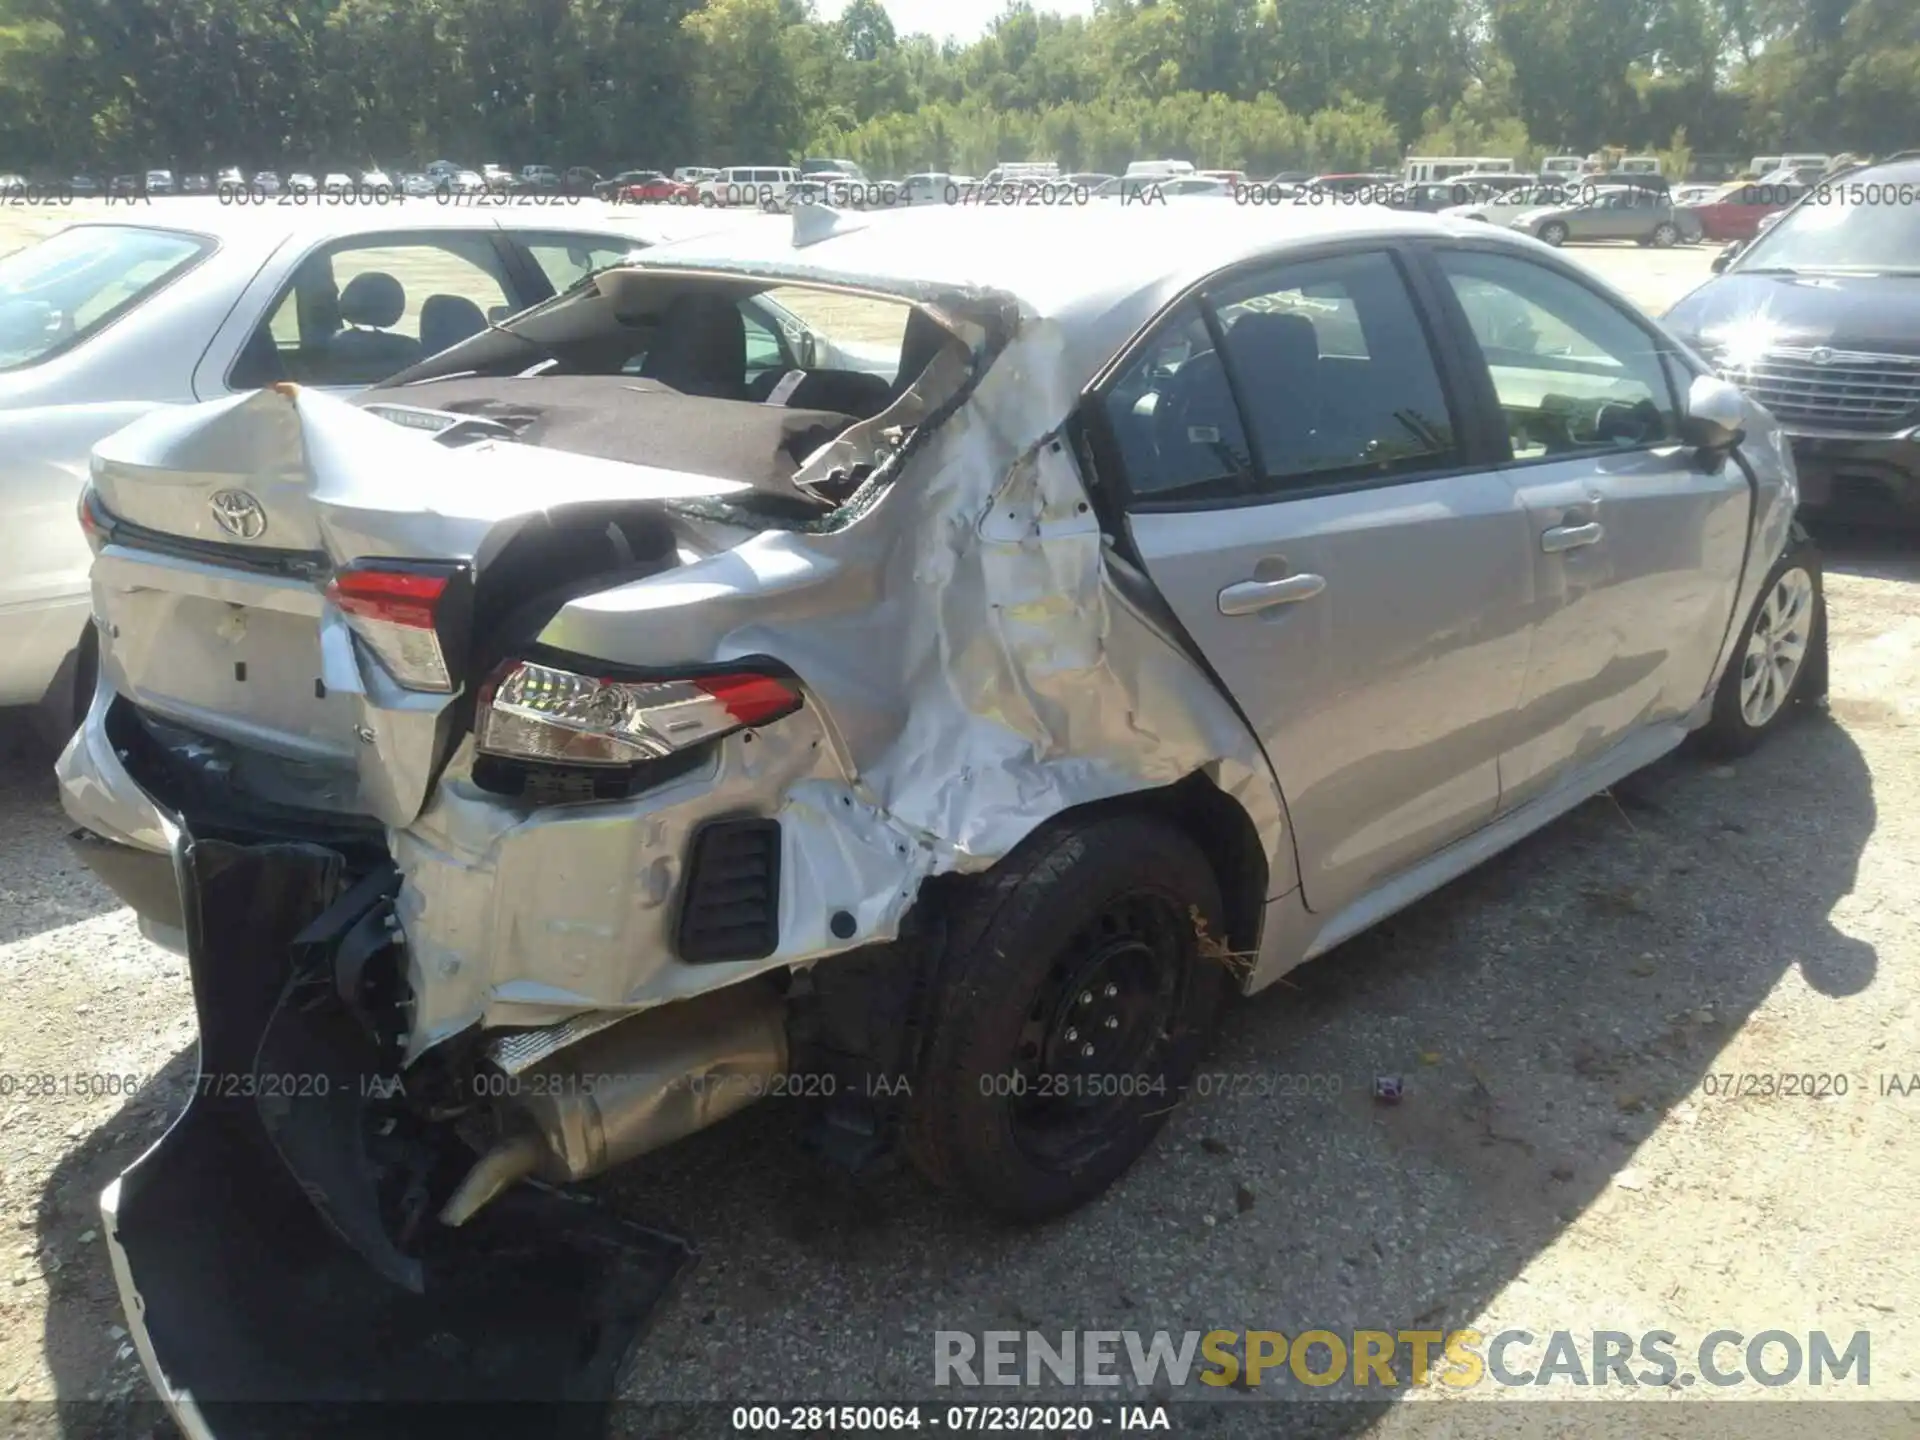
[538, 712]
[93, 521]
[410, 614]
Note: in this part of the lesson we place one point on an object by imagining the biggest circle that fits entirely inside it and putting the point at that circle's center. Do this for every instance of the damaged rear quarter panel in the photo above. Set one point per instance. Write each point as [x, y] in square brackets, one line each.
[971, 666]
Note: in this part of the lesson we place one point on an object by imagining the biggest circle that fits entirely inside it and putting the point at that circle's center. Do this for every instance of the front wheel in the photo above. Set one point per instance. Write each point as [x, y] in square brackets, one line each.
[1781, 656]
[1554, 233]
[1076, 994]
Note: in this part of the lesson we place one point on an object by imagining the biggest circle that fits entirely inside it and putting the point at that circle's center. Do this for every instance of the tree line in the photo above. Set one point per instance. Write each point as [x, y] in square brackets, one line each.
[1259, 85]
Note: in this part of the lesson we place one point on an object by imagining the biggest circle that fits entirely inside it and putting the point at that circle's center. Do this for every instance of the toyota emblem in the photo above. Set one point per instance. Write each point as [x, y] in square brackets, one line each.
[1821, 355]
[238, 513]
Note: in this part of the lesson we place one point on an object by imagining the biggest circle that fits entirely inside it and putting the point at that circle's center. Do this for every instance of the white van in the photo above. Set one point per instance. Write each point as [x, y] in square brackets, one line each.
[1421, 169]
[1562, 167]
[1638, 165]
[1020, 171]
[1158, 169]
[752, 185]
[1806, 162]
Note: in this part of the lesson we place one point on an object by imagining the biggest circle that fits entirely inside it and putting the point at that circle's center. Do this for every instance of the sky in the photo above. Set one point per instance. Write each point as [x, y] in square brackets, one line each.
[958, 19]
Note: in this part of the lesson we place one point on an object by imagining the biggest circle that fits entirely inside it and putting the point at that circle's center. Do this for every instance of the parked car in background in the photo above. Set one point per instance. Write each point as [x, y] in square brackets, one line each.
[827, 169]
[198, 299]
[336, 182]
[1432, 196]
[749, 185]
[466, 182]
[618, 182]
[1642, 214]
[1375, 186]
[1379, 547]
[231, 175]
[537, 179]
[1088, 180]
[159, 182]
[1696, 194]
[496, 177]
[301, 183]
[83, 184]
[928, 187]
[1504, 208]
[579, 180]
[1734, 212]
[652, 188]
[694, 174]
[417, 186]
[265, 183]
[1818, 318]
[376, 182]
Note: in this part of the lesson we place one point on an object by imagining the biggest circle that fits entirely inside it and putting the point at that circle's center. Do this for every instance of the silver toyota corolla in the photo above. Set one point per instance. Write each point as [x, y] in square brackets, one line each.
[618, 718]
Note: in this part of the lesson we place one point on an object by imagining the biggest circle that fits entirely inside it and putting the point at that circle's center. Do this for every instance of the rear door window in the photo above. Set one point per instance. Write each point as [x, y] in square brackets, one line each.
[1172, 416]
[1332, 364]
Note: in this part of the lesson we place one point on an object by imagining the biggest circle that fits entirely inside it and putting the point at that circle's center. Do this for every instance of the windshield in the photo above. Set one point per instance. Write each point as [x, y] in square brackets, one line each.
[55, 294]
[1856, 227]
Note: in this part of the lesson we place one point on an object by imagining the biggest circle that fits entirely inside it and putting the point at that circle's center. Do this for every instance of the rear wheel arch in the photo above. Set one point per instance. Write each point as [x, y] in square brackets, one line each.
[1217, 825]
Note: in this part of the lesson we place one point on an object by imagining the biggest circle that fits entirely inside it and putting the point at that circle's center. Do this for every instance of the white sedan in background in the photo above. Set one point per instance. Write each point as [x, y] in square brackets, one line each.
[105, 320]
[1503, 209]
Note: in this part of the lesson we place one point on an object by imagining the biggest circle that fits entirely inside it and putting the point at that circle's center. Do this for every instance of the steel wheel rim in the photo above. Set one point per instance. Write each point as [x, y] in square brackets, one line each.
[1118, 982]
[1776, 647]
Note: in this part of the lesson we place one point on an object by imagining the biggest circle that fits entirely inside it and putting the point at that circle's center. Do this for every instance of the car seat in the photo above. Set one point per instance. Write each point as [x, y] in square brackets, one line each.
[446, 320]
[367, 350]
[701, 348]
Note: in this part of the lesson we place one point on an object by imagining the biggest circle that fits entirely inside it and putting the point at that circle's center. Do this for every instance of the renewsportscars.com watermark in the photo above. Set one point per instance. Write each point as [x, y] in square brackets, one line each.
[1378, 1359]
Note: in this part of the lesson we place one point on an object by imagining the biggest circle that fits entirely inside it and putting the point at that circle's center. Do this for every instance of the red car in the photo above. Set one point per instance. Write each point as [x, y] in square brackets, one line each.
[658, 189]
[1735, 213]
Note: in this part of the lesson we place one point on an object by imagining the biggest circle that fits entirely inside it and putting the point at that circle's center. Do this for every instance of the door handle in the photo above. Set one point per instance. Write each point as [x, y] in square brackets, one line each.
[1571, 537]
[1249, 597]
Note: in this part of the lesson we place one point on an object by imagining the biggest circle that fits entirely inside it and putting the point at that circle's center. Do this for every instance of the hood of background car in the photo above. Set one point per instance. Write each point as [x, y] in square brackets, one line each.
[1848, 312]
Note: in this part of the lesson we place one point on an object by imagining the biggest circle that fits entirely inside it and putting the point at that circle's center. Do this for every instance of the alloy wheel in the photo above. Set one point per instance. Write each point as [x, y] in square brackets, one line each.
[1776, 647]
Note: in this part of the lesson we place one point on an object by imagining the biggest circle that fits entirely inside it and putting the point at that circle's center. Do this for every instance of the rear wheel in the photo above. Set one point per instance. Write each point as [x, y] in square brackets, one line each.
[1665, 235]
[1075, 998]
[1554, 233]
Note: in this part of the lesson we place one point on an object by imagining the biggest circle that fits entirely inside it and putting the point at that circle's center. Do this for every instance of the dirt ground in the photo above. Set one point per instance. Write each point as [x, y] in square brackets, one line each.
[1567, 1022]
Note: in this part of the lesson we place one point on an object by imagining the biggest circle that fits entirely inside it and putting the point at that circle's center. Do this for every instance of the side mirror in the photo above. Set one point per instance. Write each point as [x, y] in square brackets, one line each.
[1716, 414]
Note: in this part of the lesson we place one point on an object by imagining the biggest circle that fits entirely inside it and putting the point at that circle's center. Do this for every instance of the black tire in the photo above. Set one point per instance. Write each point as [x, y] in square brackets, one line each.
[1732, 731]
[1665, 235]
[1554, 233]
[998, 1116]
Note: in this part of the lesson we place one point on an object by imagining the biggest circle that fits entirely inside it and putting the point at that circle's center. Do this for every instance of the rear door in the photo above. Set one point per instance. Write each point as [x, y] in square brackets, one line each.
[1305, 495]
[1636, 548]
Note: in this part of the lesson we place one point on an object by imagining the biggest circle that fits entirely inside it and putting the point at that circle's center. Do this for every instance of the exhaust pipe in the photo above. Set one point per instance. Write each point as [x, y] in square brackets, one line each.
[628, 1089]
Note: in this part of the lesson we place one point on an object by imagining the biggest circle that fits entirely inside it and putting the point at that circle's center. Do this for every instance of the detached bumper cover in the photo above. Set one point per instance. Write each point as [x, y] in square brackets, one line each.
[251, 1313]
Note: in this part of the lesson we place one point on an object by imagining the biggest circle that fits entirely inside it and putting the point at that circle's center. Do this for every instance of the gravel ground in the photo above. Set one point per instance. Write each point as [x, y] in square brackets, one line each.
[1560, 1159]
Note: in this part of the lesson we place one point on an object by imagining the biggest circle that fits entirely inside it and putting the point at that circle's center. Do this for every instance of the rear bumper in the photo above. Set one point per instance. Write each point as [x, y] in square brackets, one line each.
[253, 1314]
